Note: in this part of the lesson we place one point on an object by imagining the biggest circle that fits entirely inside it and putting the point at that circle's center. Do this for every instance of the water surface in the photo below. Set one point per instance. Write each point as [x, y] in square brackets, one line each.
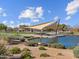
[67, 41]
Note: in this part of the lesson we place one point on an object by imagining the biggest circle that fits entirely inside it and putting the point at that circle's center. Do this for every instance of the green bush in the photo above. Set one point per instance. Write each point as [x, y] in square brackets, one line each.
[25, 49]
[71, 32]
[3, 49]
[5, 38]
[44, 55]
[15, 50]
[42, 48]
[76, 52]
[57, 45]
[26, 55]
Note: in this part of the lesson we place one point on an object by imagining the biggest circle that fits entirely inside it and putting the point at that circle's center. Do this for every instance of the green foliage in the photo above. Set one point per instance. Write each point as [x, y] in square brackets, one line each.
[71, 32]
[3, 27]
[15, 50]
[3, 49]
[26, 54]
[28, 57]
[44, 55]
[42, 48]
[53, 27]
[25, 49]
[57, 45]
[63, 27]
[5, 38]
[76, 51]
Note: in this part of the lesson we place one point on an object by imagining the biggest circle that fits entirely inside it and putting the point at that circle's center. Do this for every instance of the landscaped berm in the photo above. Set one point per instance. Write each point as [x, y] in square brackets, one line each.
[21, 51]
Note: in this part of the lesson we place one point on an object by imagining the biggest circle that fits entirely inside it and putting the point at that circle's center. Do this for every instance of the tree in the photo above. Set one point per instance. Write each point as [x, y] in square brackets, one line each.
[63, 27]
[3, 27]
[22, 26]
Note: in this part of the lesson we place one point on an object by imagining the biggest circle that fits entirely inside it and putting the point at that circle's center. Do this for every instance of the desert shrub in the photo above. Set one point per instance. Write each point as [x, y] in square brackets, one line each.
[71, 32]
[15, 50]
[3, 49]
[44, 55]
[76, 52]
[26, 55]
[32, 44]
[60, 54]
[5, 38]
[26, 49]
[42, 48]
[57, 45]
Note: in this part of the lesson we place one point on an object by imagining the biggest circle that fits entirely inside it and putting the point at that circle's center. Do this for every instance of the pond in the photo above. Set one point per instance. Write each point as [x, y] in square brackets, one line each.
[67, 41]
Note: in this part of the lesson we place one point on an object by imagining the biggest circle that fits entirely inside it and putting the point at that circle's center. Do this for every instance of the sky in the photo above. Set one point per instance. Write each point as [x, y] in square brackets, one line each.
[32, 12]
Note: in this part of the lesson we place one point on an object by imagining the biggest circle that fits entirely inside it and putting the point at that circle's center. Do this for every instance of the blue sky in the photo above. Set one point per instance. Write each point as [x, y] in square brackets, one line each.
[31, 12]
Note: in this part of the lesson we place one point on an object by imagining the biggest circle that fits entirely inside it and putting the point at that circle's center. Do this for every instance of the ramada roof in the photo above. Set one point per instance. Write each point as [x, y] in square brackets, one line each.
[41, 26]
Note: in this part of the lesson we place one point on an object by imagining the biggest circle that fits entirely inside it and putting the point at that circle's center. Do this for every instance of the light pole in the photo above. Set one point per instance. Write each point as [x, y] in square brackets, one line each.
[57, 25]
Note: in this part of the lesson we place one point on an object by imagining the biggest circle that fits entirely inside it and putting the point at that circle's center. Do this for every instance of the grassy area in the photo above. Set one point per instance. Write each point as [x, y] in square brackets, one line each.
[16, 33]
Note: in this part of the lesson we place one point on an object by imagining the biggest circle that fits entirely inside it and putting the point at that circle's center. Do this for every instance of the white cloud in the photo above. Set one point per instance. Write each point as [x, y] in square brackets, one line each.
[28, 24]
[21, 24]
[68, 17]
[32, 13]
[8, 22]
[24, 24]
[2, 12]
[12, 26]
[72, 8]
[39, 12]
[56, 18]
[27, 14]
[11, 22]
[36, 20]
[4, 22]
